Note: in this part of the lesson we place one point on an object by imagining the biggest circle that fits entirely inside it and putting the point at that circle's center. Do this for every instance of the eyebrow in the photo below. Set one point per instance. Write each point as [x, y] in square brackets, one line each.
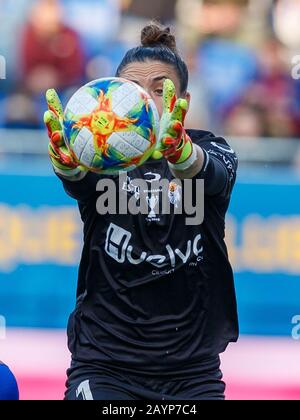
[135, 81]
[159, 78]
[155, 79]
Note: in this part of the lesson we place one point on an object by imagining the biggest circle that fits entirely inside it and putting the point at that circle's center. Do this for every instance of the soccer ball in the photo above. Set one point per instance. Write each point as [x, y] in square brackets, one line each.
[111, 125]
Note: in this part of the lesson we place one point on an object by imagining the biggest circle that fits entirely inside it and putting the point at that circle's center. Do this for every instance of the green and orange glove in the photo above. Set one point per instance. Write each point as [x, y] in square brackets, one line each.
[174, 144]
[60, 156]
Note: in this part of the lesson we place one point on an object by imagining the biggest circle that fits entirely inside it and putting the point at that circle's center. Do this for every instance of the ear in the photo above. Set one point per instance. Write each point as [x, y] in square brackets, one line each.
[188, 98]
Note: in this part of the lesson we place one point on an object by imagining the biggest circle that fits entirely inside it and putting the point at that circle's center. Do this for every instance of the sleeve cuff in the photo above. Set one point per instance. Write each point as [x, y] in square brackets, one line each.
[187, 164]
[71, 175]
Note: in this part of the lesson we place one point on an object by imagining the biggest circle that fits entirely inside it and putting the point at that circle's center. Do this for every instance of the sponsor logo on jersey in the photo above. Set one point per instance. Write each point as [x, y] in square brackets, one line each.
[118, 246]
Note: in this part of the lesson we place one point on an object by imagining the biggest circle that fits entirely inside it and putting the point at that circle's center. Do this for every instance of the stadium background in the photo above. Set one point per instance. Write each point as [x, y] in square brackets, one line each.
[243, 61]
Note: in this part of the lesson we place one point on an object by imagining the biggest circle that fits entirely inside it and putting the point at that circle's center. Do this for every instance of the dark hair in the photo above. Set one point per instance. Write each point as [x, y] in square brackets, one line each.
[157, 44]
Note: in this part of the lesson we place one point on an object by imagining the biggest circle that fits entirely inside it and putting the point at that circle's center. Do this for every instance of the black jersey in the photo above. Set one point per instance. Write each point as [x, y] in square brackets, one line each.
[155, 294]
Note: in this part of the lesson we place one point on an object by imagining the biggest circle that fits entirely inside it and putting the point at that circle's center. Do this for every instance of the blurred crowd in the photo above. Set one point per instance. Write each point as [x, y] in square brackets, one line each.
[239, 54]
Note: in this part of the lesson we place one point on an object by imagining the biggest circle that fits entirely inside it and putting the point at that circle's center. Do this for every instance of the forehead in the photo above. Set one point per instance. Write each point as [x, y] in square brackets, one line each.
[150, 71]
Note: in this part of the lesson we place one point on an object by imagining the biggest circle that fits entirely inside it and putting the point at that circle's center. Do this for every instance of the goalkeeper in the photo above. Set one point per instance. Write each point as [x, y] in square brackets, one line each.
[155, 298]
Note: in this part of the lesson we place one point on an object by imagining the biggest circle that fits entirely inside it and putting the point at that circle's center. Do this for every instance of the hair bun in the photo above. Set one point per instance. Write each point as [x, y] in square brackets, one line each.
[155, 34]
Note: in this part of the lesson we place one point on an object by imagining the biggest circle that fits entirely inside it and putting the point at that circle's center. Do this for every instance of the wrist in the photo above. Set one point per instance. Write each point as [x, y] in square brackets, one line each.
[184, 151]
[75, 173]
[186, 163]
[190, 168]
[64, 170]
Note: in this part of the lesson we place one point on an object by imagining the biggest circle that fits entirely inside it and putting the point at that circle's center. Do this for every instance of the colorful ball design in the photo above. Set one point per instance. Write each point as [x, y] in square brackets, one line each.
[111, 125]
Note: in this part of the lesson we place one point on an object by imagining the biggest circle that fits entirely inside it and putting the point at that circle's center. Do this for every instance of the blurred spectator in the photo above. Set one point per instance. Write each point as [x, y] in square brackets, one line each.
[239, 54]
[11, 21]
[226, 67]
[286, 18]
[226, 70]
[154, 9]
[21, 112]
[106, 63]
[276, 91]
[136, 14]
[272, 97]
[198, 115]
[51, 53]
[96, 21]
[245, 120]
[202, 18]
[221, 17]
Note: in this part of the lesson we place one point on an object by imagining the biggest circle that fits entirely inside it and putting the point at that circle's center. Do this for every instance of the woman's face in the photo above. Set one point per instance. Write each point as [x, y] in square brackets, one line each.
[150, 75]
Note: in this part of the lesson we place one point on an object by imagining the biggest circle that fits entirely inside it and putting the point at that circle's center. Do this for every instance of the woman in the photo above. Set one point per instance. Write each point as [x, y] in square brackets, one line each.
[8, 384]
[155, 299]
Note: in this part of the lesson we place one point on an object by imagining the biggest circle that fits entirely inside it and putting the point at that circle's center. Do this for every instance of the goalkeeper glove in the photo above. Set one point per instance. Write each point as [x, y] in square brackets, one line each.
[174, 144]
[61, 158]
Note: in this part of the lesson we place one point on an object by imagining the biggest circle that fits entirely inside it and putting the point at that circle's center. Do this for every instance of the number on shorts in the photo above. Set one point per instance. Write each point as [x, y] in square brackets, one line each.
[84, 390]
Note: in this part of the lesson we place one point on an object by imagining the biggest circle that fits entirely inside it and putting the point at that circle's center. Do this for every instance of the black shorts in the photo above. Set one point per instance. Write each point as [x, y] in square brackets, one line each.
[87, 382]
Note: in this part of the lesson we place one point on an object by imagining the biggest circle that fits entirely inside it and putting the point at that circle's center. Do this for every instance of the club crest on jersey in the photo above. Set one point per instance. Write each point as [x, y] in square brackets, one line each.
[174, 193]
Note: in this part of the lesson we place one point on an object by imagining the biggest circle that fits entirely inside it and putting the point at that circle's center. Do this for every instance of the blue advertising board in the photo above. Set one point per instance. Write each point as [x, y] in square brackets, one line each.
[41, 233]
